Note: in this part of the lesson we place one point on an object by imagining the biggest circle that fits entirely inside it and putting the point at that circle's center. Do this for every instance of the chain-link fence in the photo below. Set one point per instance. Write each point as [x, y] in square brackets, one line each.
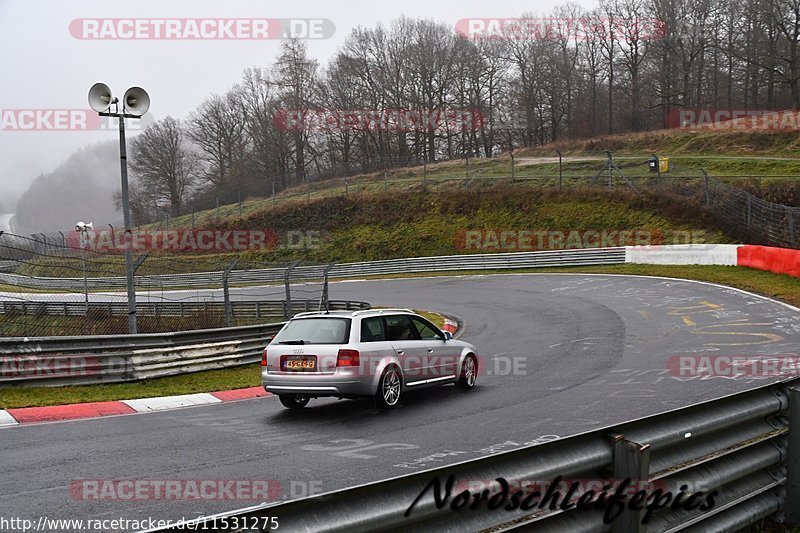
[70, 288]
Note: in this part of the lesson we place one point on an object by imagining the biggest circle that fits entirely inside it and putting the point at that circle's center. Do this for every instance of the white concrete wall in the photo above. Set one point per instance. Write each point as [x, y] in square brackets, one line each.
[683, 254]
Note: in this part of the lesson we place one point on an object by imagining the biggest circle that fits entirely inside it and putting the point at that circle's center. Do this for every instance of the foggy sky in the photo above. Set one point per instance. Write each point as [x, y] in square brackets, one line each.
[43, 66]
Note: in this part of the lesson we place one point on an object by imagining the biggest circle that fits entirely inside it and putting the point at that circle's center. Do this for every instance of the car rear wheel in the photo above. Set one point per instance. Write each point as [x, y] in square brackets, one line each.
[469, 373]
[389, 388]
[294, 401]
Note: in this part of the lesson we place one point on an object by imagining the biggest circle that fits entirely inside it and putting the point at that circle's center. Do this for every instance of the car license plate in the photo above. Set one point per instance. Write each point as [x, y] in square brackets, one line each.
[300, 363]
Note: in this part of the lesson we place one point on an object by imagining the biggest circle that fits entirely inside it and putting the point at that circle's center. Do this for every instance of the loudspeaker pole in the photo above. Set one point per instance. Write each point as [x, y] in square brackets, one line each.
[137, 101]
[126, 216]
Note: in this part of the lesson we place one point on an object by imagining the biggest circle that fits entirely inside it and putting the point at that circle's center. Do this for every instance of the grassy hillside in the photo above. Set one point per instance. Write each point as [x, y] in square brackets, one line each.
[765, 163]
[418, 223]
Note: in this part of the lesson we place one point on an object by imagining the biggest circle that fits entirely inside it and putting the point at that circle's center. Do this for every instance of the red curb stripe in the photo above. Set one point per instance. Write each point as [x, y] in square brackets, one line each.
[52, 413]
[240, 394]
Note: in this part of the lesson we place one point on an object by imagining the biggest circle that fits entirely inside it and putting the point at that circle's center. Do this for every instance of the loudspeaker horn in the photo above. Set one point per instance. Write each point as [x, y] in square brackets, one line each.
[100, 97]
[136, 101]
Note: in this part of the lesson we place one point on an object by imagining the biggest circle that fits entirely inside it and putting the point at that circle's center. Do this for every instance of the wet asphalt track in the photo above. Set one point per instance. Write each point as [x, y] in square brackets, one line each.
[561, 354]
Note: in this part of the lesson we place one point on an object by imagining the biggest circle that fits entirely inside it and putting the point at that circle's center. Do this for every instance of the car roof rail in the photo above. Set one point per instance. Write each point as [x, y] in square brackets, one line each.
[307, 313]
[333, 312]
[379, 311]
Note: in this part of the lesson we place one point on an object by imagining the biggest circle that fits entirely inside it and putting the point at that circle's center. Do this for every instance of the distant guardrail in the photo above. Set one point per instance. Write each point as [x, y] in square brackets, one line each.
[83, 360]
[253, 309]
[499, 261]
[746, 447]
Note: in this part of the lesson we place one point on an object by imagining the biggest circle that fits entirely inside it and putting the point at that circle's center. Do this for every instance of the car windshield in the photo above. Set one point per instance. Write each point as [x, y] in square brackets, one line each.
[314, 331]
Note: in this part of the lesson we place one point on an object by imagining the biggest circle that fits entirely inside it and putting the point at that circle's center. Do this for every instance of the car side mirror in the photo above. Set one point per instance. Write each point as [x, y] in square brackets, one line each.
[448, 336]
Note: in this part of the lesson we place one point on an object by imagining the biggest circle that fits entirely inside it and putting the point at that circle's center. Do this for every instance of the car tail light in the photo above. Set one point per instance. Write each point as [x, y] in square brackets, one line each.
[264, 358]
[347, 358]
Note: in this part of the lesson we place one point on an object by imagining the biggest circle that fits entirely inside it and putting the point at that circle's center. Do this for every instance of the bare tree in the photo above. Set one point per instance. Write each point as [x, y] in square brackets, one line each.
[296, 80]
[162, 163]
[218, 130]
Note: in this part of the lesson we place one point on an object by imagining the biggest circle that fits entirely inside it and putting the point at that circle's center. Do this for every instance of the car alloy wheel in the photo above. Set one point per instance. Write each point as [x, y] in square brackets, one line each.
[389, 388]
[469, 372]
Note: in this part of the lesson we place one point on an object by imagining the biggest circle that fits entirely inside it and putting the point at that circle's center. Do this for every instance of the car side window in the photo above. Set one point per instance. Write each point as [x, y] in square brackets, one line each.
[372, 330]
[426, 331]
[400, 328]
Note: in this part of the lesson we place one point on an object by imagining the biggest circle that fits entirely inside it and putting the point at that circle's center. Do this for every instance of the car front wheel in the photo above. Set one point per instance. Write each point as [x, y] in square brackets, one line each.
[469, 373]
[294, 401]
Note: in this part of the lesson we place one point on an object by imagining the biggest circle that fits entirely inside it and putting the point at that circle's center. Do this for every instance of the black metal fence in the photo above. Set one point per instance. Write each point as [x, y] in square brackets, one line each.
[58, 287]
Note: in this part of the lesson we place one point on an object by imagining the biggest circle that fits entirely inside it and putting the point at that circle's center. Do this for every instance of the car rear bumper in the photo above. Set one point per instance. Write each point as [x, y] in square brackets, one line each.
[316, 385]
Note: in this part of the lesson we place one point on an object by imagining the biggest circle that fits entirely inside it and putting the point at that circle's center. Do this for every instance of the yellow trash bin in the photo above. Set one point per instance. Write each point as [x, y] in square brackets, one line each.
[663, 164]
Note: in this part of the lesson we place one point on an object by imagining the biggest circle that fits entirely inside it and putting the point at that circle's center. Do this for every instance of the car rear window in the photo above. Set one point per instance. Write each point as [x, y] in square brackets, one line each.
[314, 331]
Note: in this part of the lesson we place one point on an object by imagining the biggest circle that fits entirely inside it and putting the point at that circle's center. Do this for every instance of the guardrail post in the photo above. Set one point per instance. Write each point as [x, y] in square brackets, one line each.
[559, 169]
[287, 303]
[226, 293]
[631, 460]
[134, 268]
[791, 508]
[749, 213]
[323, 299]
[705, 188]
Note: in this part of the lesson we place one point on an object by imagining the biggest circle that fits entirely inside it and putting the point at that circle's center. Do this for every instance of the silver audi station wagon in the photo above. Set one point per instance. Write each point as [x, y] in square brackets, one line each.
[378, 353]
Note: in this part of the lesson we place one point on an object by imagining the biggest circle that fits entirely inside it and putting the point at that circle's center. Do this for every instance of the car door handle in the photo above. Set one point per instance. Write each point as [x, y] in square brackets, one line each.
[430, 350]
[400, 352]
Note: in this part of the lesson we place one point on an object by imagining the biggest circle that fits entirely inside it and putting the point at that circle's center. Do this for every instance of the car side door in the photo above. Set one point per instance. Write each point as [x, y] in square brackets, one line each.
[374, 343]
[410, 349]
[442, 356]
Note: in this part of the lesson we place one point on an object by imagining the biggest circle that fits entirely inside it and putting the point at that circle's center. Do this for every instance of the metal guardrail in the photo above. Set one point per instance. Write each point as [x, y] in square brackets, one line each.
[253, 309]
[83, 360]
[580, 257]
[53, 361]
[736, 446]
